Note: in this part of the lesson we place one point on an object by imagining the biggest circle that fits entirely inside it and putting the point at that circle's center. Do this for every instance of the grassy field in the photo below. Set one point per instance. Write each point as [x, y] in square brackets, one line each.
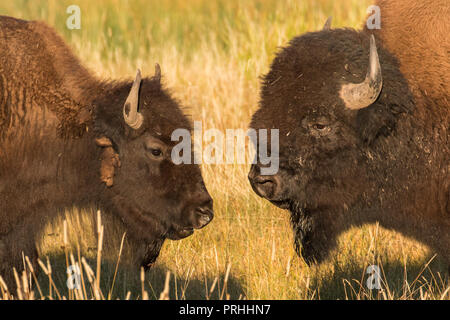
[212, 54]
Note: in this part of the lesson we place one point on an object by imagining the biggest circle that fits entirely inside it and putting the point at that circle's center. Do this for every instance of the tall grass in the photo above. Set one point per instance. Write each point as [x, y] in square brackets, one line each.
[212, 54]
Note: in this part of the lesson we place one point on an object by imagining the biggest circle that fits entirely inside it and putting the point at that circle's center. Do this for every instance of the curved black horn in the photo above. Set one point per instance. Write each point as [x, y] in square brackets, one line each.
[130, 109]
[361, 95]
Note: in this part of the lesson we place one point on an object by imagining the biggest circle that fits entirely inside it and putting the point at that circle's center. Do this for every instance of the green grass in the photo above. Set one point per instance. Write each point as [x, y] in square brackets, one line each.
[212, 54]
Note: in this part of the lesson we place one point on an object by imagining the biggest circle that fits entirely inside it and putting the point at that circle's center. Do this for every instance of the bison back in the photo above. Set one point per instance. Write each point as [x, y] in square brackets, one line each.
[417, 33]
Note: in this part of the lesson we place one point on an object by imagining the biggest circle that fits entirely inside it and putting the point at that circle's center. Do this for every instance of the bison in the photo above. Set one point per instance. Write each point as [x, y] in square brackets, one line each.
[357, 143]
[69, 139]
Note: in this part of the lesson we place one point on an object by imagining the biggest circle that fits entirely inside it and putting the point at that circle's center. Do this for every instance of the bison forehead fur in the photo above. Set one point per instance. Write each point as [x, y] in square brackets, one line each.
[64, 141]
[339, 167]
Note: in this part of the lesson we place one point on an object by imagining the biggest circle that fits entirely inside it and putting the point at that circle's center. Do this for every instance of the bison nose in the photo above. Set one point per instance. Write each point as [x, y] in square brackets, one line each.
[204, 214]
[265, 186]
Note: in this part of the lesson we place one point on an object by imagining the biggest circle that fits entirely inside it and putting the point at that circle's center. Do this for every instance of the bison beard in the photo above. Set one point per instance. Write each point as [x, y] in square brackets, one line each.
[151, 253]
[315, 233]
[302, 226]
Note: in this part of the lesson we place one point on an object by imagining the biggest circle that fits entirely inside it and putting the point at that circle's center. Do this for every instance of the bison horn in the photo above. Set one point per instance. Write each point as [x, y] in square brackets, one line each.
[130, 109]
[361, 95]
[157, 75]
[327, 25]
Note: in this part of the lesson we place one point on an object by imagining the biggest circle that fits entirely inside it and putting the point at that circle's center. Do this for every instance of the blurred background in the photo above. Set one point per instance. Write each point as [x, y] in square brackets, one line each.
[212, 54]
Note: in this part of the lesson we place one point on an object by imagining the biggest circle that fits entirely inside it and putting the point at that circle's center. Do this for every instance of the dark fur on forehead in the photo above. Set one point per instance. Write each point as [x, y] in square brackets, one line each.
[162, 113]
[306, 77]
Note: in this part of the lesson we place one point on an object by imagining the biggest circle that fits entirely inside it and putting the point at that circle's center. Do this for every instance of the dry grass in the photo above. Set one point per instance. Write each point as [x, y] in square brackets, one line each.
[212, 54]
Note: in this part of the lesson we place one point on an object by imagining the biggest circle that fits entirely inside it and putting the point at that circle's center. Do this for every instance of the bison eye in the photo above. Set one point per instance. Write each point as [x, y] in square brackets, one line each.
[155, 152]
[319, 127]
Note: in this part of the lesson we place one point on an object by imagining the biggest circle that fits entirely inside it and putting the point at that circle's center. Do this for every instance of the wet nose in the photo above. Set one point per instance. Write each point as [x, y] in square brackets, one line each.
[204, 213]
[265, 186]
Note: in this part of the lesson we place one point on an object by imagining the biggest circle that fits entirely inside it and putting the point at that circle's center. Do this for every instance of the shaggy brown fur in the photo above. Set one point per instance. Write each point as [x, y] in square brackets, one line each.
[64, 143]
[34, 48]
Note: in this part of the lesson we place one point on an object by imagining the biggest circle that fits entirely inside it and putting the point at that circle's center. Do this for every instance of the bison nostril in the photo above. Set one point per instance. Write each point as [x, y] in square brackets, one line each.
[265, 186]
[204, 215]
[265, 181]
[201, 213]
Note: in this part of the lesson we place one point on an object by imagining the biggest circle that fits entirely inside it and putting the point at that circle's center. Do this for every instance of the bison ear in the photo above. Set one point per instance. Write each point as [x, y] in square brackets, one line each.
[109, 160]
[373, 122]
[103, 142]
[380, 119]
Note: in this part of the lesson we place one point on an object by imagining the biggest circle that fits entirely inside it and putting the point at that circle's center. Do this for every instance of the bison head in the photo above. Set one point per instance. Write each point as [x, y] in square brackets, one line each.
[155, 198]
[334, 98]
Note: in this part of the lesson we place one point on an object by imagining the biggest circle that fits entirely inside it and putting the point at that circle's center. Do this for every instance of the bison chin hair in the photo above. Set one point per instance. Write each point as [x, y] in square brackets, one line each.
[315, 232]
[152, 251]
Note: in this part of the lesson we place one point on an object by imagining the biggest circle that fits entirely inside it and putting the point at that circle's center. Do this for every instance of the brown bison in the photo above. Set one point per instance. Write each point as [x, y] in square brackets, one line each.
[69, 139]
[359, 143]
